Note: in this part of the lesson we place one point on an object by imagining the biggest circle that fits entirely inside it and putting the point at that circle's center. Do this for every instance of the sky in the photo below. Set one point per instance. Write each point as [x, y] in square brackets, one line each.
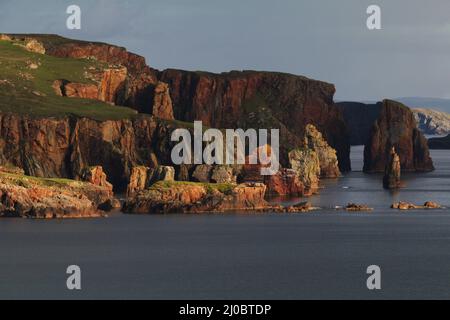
[326, 40]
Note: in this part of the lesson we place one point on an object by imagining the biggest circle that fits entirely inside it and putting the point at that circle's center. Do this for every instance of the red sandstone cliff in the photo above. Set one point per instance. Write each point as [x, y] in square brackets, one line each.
[63, 147]
[253, 99]
[50, 147]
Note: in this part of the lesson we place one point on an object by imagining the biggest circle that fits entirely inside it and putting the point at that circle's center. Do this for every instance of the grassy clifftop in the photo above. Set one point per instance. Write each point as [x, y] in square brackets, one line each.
[26, 80]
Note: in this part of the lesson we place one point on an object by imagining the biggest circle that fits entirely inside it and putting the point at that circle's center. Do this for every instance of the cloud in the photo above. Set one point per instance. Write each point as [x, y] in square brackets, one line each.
[326, 39]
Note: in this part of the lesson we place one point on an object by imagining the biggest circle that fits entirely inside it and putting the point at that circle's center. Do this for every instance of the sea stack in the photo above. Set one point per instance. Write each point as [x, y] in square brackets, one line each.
[396, 126]
[391, 179]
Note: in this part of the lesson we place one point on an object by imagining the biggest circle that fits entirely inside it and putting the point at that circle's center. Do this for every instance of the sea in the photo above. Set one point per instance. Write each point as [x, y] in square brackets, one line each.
[324, 254]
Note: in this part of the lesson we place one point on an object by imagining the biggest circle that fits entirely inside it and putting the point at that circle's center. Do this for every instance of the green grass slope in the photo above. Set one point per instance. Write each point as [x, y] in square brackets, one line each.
[29, 91]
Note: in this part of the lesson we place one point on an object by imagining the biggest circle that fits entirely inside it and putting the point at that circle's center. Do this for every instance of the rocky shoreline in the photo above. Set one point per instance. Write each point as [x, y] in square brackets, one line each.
[46, 198]
[60, 165]
[24, 196]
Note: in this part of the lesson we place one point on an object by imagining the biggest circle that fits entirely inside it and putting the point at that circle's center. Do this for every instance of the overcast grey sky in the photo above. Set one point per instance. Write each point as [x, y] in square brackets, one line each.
[322, 39]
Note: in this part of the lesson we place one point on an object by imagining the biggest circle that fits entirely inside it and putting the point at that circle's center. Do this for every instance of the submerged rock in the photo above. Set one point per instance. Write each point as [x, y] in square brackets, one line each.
[298, 208]
[432, 205]
[410, 206]
[357, 207]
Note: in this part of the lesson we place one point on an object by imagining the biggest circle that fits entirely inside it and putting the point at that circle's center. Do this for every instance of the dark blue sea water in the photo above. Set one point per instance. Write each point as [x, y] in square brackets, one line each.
[233, 256]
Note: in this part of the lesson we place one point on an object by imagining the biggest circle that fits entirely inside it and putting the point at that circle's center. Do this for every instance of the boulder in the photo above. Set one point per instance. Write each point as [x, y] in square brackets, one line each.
[202, 173]
[142, 178]
[138, 180]
[96, 176]
[5, 37]
[357, 207]
[410, 206]
[432, 205]
[252, 172]
[285, 182]
[404, 206]
[59, 87]
[35, 46]
[223, 174]
[298, 208]
[161, 173]
[184, 172]
[79, 90]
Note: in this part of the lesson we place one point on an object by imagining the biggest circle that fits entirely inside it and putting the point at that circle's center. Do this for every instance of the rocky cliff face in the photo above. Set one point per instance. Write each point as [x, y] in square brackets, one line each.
[305, 162]
[329, 166]
[396, 127]
[24, 196]
[252, 99]
[65, 147]
[432, 122]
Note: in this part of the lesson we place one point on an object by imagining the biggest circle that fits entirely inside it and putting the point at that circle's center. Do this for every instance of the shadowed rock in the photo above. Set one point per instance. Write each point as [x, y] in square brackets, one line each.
[396, 126]
[391, 179]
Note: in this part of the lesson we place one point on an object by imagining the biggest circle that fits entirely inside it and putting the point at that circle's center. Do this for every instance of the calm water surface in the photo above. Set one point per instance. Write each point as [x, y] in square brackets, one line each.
[320, 255]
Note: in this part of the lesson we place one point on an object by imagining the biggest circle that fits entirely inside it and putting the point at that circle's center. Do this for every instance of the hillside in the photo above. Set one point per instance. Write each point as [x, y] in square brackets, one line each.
[432, 122]
[26, 84]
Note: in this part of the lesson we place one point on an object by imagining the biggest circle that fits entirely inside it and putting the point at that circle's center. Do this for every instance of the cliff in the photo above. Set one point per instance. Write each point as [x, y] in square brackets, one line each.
[432, 122]
[253, 99]
[396, 127]
[235, 99]
[49, 147]
[25, 196]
